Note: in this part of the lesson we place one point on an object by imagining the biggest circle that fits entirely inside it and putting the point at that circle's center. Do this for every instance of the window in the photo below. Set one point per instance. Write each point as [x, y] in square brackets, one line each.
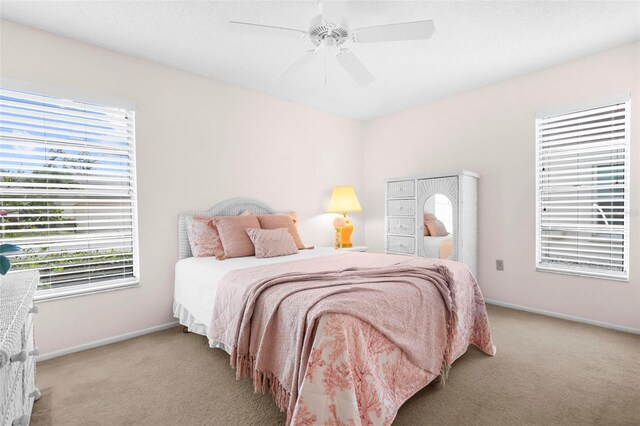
[582, 176]
[67, 184]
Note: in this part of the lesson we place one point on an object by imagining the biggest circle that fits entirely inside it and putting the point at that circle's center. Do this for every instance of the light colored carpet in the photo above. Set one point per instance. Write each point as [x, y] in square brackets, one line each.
[547, 372]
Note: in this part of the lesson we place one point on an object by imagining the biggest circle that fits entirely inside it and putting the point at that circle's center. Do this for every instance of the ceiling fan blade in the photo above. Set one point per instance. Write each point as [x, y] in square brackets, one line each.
[418, 30]
[267, 30]
[332, 11]
[296, 65]
[354, 67]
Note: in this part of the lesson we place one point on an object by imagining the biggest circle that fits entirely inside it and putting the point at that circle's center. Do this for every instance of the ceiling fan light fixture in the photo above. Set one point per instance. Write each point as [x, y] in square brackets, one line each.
[330, 29]
[319, 30]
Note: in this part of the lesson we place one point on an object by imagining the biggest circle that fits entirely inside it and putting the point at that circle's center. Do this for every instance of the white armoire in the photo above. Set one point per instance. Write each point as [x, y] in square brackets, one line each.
[452, 198]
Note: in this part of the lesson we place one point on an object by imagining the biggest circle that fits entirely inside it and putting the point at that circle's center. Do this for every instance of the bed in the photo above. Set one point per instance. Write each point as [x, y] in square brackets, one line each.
[325, 332]
[438, 247]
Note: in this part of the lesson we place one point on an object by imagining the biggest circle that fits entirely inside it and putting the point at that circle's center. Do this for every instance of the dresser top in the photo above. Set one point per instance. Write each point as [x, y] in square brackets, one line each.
[435, 175]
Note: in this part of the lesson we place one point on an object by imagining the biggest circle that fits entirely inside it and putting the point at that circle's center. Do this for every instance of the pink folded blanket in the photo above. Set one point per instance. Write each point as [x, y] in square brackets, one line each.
[268, 314]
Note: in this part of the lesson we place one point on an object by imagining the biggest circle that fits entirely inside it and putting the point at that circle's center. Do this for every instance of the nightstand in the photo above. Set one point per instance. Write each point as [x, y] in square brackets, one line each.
[354, 248]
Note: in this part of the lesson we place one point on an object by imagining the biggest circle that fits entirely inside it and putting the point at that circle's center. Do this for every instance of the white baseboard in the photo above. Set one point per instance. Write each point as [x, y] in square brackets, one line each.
[102, 342]
[563, 316]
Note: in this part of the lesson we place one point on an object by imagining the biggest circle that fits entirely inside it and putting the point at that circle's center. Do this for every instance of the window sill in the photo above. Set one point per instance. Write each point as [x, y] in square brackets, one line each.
[620, 278]
[46, 295]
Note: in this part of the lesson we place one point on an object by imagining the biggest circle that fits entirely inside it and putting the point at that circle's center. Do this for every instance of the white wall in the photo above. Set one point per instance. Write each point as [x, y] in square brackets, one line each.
[198, 142]
[491, 131]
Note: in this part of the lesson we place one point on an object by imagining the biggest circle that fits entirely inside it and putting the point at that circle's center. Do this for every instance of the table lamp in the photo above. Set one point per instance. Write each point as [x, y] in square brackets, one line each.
[344, 200]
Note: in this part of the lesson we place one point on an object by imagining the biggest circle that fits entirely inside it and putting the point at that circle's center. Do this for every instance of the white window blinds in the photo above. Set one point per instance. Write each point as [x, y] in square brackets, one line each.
[67, 185]
[582, 176]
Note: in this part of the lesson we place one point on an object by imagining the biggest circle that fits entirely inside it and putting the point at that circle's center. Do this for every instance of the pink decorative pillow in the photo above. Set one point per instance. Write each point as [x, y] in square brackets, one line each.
[233, 235]
[437, 229]
[272, 242]
[275, 221]
[203, 236]
[429, 217]
[293, 215]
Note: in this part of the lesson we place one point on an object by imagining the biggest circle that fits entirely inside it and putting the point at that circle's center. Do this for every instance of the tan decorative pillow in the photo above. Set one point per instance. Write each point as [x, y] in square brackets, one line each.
[272, 242]
[203, 236]
[293, 215]
[429, 217]
[275, 221]
[233, 235]
[437, 229]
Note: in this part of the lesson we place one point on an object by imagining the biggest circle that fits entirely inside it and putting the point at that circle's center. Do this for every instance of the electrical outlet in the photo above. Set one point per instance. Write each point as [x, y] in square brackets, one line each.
[500, 265]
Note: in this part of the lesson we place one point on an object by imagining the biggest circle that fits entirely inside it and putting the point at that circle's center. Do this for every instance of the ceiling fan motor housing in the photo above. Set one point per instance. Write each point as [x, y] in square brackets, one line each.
[319, 30]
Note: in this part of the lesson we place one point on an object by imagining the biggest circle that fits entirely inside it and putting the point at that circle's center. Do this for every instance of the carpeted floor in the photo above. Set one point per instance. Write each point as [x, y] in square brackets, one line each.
[547, 372]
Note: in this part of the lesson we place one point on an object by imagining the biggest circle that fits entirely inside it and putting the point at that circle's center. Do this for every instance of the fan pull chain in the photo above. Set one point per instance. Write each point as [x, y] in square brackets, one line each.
[324, 56]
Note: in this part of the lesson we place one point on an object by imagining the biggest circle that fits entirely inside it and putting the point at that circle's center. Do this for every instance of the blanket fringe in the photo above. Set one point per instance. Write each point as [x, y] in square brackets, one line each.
[263, 382]
[444, 375]
[452, 323]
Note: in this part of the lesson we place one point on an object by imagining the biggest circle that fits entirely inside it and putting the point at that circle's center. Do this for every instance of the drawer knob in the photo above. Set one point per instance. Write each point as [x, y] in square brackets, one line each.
[19, 357]
[34, 309]
[34, 352]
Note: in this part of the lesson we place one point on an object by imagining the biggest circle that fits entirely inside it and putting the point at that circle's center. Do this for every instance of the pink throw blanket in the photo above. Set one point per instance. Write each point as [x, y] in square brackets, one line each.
[268, 315]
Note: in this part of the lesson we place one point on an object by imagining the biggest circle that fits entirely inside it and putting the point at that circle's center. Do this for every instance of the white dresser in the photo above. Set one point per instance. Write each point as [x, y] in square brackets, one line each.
[17, 350]
[401, 216]
[409, 198]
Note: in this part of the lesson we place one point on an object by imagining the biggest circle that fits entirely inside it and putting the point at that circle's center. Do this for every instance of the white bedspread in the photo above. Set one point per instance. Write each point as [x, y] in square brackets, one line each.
[197, 277]
[432, 246]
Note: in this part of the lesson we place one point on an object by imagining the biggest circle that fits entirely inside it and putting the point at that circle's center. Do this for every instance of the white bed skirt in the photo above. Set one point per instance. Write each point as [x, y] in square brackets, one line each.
[189, 321]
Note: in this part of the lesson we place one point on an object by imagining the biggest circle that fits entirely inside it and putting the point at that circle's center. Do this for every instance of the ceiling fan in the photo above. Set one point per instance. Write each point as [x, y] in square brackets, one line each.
[329, 31]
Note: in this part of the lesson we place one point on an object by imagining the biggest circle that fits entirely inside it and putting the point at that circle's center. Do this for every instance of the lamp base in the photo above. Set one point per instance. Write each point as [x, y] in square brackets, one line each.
[345, 235]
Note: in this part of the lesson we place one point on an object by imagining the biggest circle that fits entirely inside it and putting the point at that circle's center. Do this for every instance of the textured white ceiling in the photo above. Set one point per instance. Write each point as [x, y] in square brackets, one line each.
[475, 43]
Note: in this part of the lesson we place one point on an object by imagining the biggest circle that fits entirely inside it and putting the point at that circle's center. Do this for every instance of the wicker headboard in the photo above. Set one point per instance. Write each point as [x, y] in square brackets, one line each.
[232, 207]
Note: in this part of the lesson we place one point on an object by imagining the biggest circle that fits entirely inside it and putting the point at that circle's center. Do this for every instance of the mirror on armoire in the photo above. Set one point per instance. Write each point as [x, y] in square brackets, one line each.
[438, 228]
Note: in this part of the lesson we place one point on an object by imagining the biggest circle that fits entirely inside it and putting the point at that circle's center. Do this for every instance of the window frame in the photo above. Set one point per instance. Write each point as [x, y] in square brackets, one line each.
[46, 294]
[626, 241]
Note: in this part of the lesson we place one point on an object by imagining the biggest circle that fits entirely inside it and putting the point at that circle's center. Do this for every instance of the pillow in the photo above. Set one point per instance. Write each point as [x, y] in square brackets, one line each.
[437, 229]
[275, 221]
[293, 215]
[233, 235]
[272, 242]
[429, 217]
[203, 236]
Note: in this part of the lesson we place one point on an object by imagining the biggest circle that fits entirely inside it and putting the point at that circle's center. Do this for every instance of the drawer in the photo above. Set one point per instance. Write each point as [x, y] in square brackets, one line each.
[402, 245]
[10, 372]
[401, 225]
[401, 207]
[10, 375]
[401, 189]
[15, 403]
